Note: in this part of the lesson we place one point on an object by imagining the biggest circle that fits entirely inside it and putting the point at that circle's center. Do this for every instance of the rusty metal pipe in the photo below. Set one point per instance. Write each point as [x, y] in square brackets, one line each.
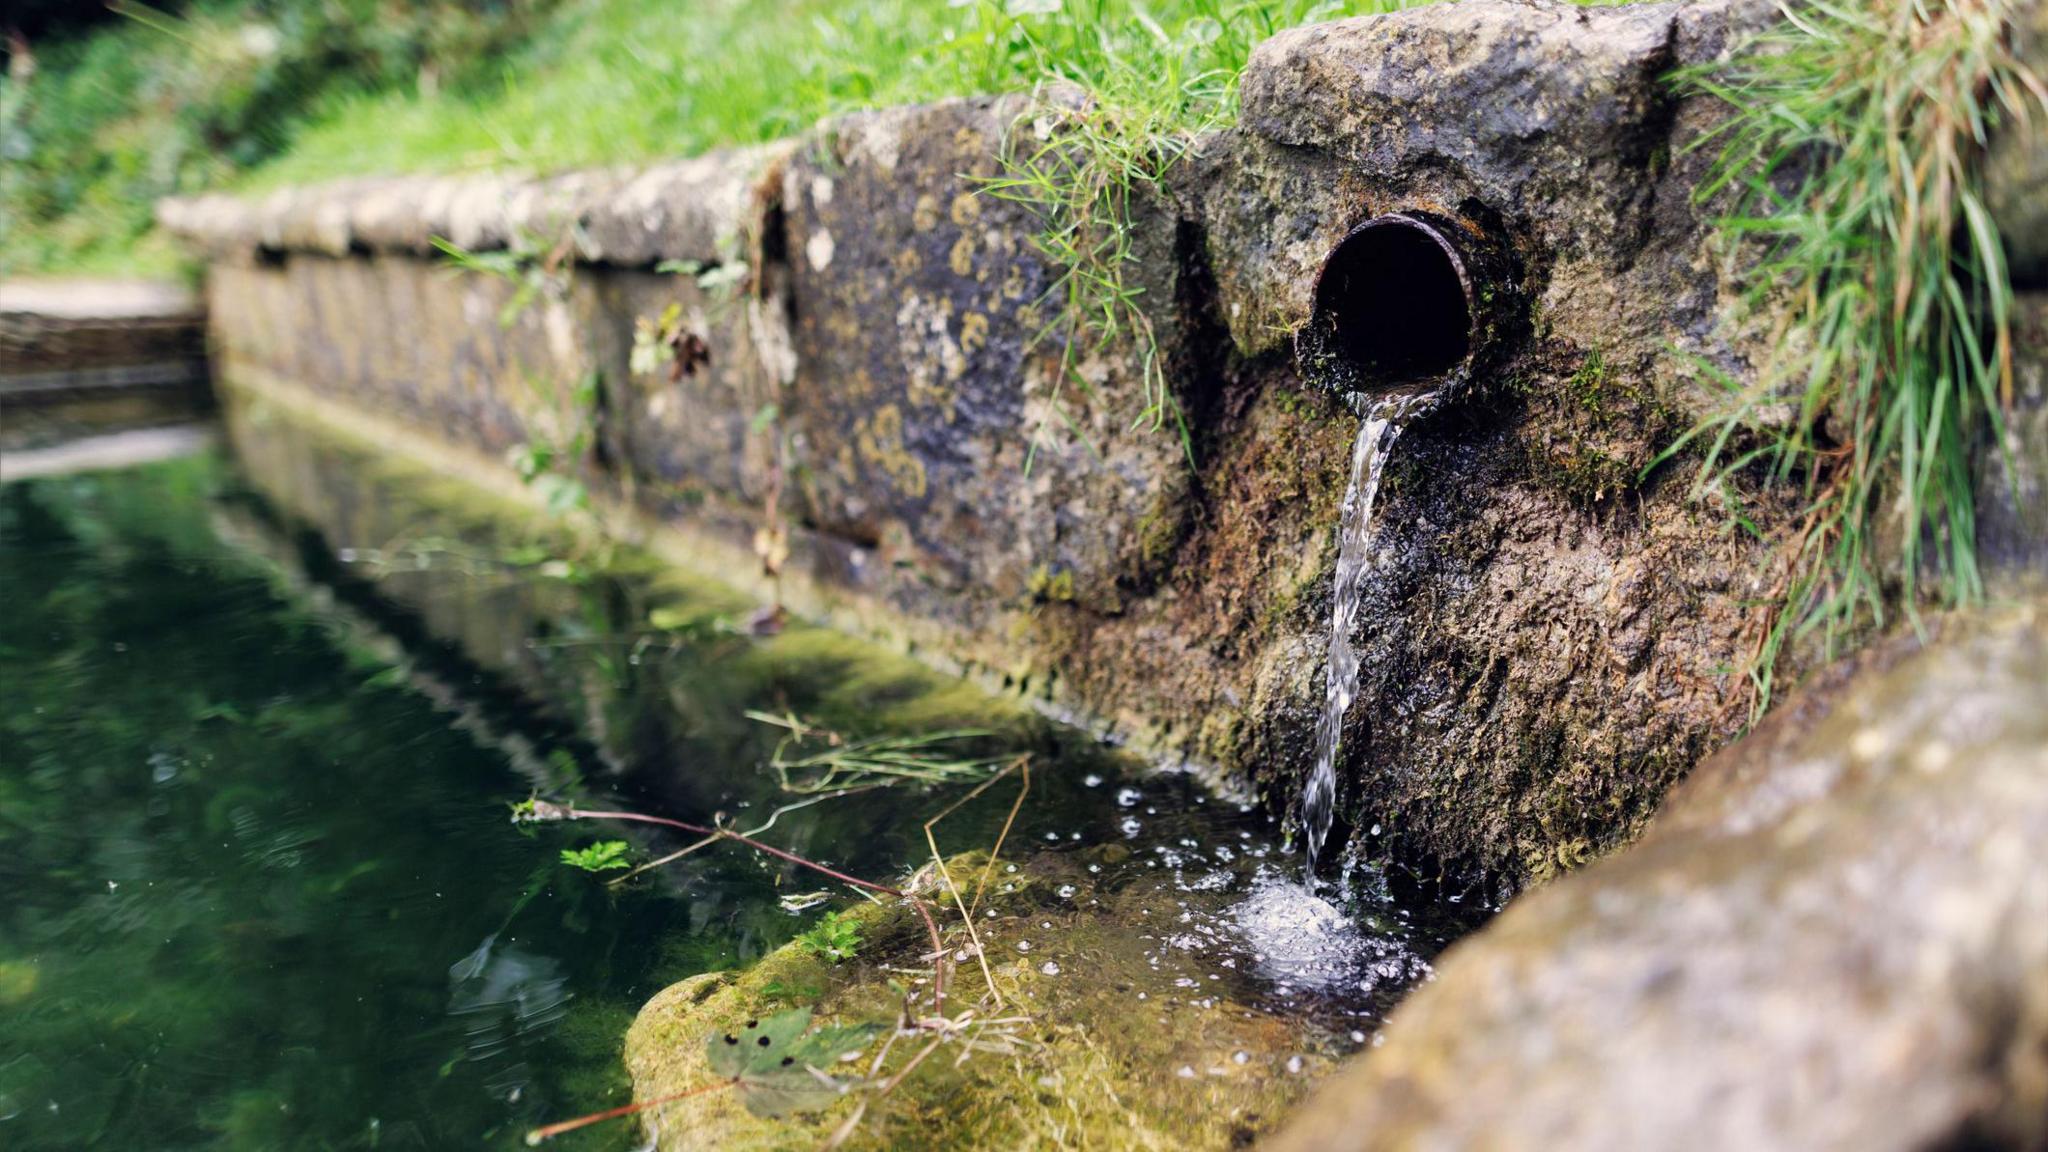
[1408, 301]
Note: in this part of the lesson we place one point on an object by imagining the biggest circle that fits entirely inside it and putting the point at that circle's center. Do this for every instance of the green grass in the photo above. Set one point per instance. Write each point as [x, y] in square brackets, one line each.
[95, 128]
[1853, 156]
[611, 81]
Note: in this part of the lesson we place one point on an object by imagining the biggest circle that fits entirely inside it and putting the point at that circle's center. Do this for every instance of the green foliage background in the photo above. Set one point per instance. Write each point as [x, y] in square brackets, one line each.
[253, 93]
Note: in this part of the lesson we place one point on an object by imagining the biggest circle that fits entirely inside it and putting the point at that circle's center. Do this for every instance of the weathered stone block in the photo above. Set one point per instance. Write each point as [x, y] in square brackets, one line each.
[947, 414]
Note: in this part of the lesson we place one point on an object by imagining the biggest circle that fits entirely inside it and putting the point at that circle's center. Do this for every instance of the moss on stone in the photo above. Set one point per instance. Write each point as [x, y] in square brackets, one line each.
[1103, 1051]
[1054, 585]
[1594, 430]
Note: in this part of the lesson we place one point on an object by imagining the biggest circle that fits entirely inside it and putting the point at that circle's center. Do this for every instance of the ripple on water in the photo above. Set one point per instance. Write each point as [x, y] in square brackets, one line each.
[1303, 941]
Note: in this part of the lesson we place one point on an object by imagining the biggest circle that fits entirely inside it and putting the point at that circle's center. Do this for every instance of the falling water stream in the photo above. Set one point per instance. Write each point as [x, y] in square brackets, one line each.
[1383, 424]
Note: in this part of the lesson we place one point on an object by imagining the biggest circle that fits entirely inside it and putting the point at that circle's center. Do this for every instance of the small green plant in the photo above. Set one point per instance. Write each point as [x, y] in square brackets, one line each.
[536, 271]
[603, 856]
[561, 426]
[666, 341]
[1852, 156]
[836, 937]
[719, 279]
[1152, 81]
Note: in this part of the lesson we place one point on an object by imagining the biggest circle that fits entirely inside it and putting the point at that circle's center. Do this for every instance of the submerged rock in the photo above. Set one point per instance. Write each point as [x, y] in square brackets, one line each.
[1834, 937]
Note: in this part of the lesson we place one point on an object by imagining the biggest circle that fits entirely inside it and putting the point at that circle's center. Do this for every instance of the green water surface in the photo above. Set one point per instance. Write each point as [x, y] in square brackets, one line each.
[255, 892]
[258, 884]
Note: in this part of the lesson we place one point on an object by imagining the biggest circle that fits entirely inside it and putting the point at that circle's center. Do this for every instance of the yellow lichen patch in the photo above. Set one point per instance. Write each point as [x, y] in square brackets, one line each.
[973, 332]
[880, 438]
[966, 209]
[925, 216]
[961, 258]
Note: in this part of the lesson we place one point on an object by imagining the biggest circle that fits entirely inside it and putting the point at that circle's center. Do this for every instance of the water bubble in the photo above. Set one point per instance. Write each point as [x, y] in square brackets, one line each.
[1023, 945]
[1128, 797]
[1240, 1057]
[1066, 891]
[1049, 968]
[1092, 780]
[1129, 826]
[1358, 1037]
[1294, 1064]
[1186, 1073]
[1095, 868]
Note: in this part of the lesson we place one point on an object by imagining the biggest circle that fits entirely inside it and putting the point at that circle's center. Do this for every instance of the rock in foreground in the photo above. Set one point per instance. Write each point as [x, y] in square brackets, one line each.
[1834, 937]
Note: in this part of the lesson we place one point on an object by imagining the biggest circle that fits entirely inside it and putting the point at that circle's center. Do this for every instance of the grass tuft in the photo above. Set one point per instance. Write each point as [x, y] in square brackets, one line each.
[1852, 158]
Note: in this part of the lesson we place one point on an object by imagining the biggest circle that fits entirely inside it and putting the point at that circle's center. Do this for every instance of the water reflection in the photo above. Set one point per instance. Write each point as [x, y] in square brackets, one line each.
[258, 755]
[239, 859]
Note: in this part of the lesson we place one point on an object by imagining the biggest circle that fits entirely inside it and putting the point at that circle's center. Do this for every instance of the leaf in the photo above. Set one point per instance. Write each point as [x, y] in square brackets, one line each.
[779, 1068]
[603, 856]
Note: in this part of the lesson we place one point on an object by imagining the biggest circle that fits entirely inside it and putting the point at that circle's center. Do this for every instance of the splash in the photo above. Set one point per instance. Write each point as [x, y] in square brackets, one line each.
[1383, 425]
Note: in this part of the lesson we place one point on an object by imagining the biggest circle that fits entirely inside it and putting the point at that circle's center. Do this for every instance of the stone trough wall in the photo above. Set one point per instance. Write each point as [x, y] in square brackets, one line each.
[78, 356]
[1546, 632]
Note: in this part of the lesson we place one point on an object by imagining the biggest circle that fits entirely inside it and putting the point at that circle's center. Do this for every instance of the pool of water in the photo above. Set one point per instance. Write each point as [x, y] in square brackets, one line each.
[260, 885]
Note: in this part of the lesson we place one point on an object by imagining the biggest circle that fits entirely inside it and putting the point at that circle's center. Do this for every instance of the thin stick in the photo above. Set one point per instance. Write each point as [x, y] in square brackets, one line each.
[710, 840]
[1022, 763]
[671, 858]
[551, 1131]
[727, 833]
[1016, 806]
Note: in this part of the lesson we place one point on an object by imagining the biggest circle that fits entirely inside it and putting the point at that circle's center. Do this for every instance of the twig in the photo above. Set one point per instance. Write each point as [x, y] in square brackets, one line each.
[1023, 765]
[551, 1131]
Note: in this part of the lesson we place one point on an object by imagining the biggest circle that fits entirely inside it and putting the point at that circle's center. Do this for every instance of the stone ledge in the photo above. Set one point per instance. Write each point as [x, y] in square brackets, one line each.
[692, 209]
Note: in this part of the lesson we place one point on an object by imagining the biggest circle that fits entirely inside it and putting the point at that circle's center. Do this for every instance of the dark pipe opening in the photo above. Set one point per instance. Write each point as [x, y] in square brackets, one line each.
[1393, 306]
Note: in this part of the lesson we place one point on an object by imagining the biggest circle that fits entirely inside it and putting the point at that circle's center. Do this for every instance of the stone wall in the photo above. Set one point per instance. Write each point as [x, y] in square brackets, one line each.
[1547, 632]
[84, 356]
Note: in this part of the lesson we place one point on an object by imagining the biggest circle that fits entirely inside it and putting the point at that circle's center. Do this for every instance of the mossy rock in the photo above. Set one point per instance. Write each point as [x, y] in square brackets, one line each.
[1092, 1044]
